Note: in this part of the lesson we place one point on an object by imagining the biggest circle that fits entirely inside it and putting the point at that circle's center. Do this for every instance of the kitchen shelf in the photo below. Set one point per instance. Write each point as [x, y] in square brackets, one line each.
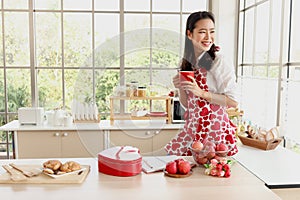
[114, 116]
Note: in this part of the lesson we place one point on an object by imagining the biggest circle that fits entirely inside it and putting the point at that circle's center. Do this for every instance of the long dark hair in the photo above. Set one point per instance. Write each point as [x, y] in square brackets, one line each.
[189, 59]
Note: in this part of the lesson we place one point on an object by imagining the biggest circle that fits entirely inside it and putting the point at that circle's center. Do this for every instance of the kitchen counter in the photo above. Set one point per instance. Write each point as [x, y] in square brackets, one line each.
[276, 168]
[102, 125]
[241, 185]
[148, 135]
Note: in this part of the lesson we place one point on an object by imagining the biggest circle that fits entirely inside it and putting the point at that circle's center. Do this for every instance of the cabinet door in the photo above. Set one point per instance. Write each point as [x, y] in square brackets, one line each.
[141, 139]
[38, 144]
[81, 143]
[160, 139]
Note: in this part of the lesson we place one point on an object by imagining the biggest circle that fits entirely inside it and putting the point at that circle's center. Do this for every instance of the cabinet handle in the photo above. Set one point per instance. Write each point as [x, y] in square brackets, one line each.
[156, 132]
[65, 134]
[148, 132]
[56, 134]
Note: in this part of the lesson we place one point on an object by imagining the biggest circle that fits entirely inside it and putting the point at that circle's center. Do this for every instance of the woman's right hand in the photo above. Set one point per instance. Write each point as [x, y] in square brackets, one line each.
[176, 81]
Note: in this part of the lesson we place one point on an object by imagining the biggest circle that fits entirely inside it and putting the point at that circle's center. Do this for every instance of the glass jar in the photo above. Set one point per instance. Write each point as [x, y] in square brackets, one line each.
[152, 91]
[129, 91]
[134, 88]
[142, 91]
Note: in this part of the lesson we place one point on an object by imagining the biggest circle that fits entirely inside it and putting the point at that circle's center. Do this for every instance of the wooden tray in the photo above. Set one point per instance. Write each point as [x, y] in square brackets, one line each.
[260, 144]
[43, 178]
[157, 114]
[177, 175]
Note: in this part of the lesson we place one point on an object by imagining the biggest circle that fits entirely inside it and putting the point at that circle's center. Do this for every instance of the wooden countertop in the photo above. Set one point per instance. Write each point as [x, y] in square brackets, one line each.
[241, 185]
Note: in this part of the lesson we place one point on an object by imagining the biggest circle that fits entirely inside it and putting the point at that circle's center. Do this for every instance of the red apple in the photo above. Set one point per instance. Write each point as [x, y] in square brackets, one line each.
[217, 157]
[209, 150]
[178, 161]
[211, 155]
[171, 167]
[184, 167]
[201, 160]
[209, 143]
[197, 145]
[221, 147]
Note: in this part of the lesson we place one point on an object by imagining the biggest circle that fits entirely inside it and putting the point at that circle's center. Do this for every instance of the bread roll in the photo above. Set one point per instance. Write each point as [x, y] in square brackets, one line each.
[48, 171]
[70, 166]
[56, 167]
[60, 173]
[275, 132]
[262, 135]
[52, 164]
[269, 136]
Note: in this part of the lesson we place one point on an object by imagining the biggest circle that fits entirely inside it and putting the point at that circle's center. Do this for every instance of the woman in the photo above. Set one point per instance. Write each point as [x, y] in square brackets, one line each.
[209, 93]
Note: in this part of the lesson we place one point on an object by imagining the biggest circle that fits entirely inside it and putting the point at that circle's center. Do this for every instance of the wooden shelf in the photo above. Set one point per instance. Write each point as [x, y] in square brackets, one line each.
[114, 116]
[140, 98]
[128, 117]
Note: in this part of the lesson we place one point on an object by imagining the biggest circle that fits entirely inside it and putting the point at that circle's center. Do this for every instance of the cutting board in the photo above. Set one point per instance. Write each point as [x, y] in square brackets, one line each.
[43, 178]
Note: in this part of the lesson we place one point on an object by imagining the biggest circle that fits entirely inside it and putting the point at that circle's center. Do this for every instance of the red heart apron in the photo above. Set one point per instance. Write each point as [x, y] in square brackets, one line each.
[203, 120]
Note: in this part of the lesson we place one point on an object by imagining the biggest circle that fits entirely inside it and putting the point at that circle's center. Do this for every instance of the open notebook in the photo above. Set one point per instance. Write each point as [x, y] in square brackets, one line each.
[156, 163]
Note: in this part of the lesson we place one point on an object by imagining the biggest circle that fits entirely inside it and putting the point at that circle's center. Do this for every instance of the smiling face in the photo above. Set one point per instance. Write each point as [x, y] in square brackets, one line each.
[202, 35]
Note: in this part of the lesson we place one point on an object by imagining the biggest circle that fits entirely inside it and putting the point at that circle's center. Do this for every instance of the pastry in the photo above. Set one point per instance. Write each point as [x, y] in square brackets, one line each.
[57, 168]
[48, 171]
[70, 166]
[52, 164]
[60, 173]
[275, 132]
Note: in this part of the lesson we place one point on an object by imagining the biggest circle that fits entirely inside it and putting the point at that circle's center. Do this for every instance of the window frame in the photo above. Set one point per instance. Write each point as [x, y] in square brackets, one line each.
[284, 56]
[31, 10]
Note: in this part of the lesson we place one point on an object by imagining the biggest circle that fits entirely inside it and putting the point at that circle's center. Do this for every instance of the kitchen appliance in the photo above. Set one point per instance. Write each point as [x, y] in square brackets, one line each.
[31, 116]
[177, 111]
[120, 161]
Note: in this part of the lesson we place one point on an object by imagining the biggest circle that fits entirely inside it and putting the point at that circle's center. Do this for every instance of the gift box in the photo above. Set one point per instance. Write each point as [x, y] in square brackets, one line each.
[120, 161]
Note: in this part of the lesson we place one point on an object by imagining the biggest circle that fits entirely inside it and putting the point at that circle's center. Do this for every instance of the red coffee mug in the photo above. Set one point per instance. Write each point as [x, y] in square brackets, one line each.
[184, 75]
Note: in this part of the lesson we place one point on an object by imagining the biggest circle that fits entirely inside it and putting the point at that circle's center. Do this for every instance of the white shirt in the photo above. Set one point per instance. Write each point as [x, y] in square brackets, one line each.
[221, 78]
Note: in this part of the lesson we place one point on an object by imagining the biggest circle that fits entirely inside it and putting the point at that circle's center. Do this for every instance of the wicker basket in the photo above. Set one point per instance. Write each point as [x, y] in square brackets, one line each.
[272, 144]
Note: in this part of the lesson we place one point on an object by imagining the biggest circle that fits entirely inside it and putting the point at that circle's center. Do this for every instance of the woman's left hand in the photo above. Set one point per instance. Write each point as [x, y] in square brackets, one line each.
[192, 86]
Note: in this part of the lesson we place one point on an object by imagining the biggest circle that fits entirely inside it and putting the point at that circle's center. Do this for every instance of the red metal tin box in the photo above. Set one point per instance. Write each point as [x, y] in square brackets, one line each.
[120, 161]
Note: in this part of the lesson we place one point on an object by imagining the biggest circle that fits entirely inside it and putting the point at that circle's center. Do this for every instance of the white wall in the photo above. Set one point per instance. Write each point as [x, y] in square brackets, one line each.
[225, 12]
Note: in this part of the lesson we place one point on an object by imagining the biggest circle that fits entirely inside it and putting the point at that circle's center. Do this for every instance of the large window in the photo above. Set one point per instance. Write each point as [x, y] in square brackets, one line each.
[56, 51]
[269, 64]
[258, 72]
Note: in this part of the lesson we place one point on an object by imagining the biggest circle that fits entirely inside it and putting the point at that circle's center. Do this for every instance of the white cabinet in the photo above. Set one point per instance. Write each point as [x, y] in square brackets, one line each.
[59, 144]
[161, 139]
[150, 142]
[88, 139]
